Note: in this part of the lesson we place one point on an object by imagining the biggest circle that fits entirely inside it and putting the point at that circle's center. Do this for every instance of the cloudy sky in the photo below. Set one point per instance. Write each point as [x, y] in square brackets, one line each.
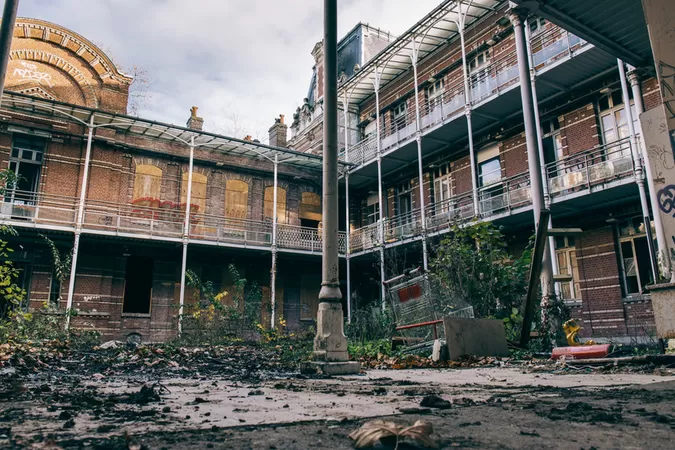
[243, 62]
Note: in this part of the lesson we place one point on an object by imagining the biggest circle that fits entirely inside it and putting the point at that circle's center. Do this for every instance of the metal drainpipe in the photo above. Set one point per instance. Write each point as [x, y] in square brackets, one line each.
[639, 175]
[379, 186]
[664, 261]
[273, 272]
[534, 163]
[542, 160]
[425, 256]
[6, 34]
[186, 235]
[345, 107]
[78, 222]
[467, 111]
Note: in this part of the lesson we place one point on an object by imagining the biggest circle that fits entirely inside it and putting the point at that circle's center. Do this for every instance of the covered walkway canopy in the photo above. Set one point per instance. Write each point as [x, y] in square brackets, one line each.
[616, 26]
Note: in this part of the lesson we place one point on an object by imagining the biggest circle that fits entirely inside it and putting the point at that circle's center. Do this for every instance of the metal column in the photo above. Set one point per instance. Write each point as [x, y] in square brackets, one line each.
[345, 107]
[542, 160]
[662, 256]
[380, 218]
[413, 57]
[534, 163]
[467, 109]
[186, 236]
[273, 271]
[639, 175]
[6, 34]
[78, 222]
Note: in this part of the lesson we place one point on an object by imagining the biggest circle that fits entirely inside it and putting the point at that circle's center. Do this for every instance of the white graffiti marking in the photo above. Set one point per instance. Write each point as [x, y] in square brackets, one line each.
[30, 72]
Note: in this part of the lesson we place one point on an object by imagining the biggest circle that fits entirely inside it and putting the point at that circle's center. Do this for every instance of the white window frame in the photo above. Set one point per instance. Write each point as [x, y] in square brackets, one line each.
[435, 93]
[565, 252]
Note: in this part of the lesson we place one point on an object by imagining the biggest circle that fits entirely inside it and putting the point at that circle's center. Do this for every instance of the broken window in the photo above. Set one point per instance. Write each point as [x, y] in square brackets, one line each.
[236, 199]
[635, 259]
[310, 210]
[281, 204]
[566, 255]
[138, 285]
[26, 163]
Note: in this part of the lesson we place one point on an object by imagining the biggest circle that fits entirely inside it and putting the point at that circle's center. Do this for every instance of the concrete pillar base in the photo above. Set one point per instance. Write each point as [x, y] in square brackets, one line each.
[337, 368]
[330, 343]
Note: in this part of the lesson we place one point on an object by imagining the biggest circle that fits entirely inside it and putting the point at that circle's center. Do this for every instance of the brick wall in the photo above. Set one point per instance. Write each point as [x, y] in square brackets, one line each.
[651, 93]
[579, 130]
[514, 156]
[602, 308]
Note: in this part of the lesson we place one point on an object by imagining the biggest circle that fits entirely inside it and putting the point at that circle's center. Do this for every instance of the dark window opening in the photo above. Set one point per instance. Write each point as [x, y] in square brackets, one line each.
[309, 223]
[138, 286]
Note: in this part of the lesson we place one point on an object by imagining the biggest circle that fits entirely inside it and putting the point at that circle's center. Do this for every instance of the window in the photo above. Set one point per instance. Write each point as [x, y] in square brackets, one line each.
[404, 200]
[489, 177]
[614, 123]
[281, 204]
[443, 189]
[310, 210]
[26, 162]
[372, 209]
[479, 73]
[198, 193]
[138, 285]
[399, 116]
[552, 143]
[566, 255]
[537, 25]
[147, 181]
[435, 94]
[489, 172]
[634, 252]
[236, 199]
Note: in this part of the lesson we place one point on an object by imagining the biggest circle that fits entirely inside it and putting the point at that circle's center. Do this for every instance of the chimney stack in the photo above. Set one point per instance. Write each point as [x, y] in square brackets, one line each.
[279, 132]
[194, 122]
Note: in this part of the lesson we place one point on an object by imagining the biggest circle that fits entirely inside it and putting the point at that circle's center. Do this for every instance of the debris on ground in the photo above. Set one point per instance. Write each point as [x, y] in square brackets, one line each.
[391, 434]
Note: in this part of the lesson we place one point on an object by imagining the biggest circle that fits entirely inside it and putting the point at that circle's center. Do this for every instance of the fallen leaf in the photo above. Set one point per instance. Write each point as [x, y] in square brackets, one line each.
[376, 430]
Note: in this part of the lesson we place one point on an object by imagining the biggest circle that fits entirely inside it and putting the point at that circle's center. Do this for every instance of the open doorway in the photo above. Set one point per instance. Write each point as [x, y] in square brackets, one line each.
[138, 285]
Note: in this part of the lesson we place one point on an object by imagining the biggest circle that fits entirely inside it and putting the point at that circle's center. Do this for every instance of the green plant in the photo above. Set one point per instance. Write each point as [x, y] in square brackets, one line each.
[370, 324]
[370, 349]
[513, 324]
[62, 263]
[473, 264]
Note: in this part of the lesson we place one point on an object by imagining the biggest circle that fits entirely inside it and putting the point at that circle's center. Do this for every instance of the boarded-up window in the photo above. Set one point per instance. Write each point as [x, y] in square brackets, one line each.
[310, 206]
[281, 204]
[309, 296]
[198, 191]
[147, 181]
[236, 199]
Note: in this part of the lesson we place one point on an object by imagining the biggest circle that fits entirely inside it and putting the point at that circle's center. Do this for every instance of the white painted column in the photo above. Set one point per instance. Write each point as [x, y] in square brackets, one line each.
[273, 271]
[186, 236]
[639, 174]
[78, 222]
[467, 110]
[345, 107]
[414, 58]
[383, 297]
[662, 253]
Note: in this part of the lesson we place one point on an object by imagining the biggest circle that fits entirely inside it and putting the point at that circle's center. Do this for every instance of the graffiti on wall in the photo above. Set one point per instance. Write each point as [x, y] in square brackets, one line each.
[29, 71]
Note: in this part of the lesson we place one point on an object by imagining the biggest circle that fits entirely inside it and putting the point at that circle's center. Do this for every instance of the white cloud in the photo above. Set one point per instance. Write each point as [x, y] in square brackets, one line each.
[250, 58]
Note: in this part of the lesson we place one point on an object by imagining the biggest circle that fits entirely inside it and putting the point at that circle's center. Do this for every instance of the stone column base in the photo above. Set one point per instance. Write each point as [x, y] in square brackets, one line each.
[337, 368]
[330, 343]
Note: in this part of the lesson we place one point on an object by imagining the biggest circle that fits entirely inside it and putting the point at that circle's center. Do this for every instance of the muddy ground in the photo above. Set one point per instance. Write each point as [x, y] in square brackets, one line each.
[238, 398]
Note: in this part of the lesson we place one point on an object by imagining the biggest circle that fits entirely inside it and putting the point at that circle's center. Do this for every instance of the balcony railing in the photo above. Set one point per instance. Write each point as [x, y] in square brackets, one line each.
[577, 173]
[36, 210]
[547, 48]
[584, 170]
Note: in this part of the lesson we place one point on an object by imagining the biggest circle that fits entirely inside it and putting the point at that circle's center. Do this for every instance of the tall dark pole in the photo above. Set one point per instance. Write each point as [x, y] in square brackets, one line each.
[6, 33]
[330, 343]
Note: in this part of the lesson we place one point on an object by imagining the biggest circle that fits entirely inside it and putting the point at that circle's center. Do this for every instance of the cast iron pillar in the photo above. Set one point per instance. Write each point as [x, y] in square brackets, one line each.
[330, 343]
[6, 33]
[534, 164]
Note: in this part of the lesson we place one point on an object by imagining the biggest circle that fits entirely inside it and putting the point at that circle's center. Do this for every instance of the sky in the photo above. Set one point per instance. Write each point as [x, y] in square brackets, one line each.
[242, 62]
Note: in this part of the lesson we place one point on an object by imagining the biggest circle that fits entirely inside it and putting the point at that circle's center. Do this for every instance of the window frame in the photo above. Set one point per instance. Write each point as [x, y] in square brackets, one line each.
[566, 252]
[17, 158]
[631, 237]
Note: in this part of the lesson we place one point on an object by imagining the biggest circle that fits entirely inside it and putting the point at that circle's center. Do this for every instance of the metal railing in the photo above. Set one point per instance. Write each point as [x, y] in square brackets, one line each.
[503, 196]
[38, 208]
[583, 170]
[552, 45]
[494, 77]
[305, 238]
[403, 226]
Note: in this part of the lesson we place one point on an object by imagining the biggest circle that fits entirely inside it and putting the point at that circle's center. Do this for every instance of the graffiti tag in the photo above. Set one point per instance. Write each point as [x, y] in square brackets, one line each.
[30, 72]
[666, 199]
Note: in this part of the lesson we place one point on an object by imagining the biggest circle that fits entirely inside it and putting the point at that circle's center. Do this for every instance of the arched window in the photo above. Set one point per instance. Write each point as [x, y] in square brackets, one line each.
[236, 199]
[147, 181]
[310, 210]
[198, 194]
[281, 204]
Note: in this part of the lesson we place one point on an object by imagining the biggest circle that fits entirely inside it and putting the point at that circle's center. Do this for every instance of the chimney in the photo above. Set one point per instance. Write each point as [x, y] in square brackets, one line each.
[194, 122]
[278, 132]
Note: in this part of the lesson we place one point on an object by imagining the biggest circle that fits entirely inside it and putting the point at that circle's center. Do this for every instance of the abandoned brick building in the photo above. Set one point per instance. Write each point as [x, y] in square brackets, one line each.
[435, 136]
[64, 126]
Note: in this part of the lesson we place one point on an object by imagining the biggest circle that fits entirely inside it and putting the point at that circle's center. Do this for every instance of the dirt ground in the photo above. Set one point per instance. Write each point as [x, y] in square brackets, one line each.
[236, 399]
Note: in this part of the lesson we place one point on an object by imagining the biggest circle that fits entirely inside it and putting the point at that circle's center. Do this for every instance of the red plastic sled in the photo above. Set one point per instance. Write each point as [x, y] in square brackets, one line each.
[581, 352]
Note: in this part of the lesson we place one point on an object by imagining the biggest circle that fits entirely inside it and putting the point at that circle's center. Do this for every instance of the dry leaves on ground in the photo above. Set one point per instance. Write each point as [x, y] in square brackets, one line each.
[377, 430]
